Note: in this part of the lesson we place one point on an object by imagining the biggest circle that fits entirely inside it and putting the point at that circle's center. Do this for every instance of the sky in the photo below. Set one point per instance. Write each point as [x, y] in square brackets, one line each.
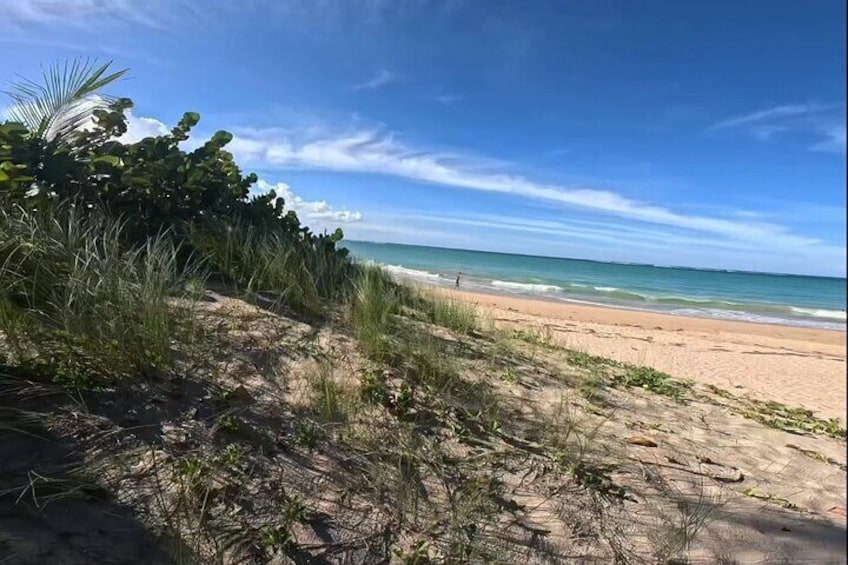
[704, 134]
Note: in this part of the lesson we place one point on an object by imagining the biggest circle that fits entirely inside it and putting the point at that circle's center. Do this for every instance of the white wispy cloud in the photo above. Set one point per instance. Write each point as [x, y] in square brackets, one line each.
[382, 78]
[82, 12]
[445, 99]
[377, 152]
[315, 213]
[823, 121]
[834, 139]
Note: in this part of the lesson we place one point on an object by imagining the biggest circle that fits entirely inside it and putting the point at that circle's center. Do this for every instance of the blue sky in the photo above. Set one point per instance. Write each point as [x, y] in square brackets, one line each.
[686, 133]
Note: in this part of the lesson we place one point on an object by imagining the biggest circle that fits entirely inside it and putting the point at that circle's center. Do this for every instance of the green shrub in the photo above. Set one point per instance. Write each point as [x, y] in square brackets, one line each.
[159, 188]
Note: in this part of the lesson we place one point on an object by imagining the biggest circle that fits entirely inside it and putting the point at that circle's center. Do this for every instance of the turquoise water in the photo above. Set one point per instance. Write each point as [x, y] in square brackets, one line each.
[758, 297]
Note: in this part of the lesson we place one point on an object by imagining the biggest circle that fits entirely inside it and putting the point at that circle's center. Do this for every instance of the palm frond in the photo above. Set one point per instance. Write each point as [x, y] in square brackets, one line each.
[64, 100]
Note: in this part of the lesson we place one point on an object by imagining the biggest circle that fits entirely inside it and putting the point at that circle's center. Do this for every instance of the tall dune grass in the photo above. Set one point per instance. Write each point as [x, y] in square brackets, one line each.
[75, 300]
[294, 272]
[450, 313]
[375, 301]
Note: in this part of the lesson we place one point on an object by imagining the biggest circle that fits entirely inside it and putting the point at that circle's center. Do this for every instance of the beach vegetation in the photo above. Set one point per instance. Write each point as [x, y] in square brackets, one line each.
[453, 314]
[249, 392]
[780, 416]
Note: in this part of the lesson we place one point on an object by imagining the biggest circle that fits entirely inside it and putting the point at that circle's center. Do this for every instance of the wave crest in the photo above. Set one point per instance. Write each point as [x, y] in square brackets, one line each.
[526, 287]
[820, 313]
[401, 271]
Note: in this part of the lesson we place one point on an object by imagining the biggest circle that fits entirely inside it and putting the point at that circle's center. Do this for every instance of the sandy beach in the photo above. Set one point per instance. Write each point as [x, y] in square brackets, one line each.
[796, 366]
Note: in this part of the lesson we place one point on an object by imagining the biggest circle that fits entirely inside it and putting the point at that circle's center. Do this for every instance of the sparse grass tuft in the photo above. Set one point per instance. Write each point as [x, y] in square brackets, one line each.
[540, 337]
[333, 403]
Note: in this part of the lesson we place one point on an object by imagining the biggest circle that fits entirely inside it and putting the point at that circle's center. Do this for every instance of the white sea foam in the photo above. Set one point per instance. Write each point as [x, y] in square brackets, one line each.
[820, 313]
[526, 287]
[401, 271]
[752, 317]
[606, 289]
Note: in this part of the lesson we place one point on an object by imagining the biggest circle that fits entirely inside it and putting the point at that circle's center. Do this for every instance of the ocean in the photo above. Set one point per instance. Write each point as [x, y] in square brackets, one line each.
[732, 295]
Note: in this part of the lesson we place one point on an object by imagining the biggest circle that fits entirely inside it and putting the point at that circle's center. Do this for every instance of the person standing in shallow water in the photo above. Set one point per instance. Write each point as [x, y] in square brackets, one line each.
[457, 278]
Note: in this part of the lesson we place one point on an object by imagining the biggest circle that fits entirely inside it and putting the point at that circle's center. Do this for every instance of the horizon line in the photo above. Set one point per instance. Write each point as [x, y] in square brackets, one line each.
[635, 264]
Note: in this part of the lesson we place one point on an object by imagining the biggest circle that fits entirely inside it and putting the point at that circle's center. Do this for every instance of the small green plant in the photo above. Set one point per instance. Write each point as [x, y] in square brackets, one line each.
[274, 539]
[403, 399]
[818, 456]
[191, 472]
[509, 376]
[782, 417]
[228, 424]
[232, 456]
[793, 420]
[417, 554]
[294, 510]
[753, 492]
[590, 362]
[307, 434]
[373, 387]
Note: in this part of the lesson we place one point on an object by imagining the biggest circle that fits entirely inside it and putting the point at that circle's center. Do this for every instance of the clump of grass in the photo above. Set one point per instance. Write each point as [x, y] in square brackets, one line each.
[258, 262]
[375, 301]
[680, 527]
[333, 403]
[455, 315]
[592, 388]
[76, 301]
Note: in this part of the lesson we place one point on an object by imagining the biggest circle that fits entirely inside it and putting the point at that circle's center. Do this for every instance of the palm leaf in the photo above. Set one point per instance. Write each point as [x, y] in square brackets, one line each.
[64, 100]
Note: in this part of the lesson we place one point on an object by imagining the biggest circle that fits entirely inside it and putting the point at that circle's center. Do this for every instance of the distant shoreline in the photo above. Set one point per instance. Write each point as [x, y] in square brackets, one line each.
[741, 324]
[614, 315]
[631, 311]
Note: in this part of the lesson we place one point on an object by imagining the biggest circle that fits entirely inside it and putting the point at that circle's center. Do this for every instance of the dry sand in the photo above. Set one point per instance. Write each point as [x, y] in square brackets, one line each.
[796, 366]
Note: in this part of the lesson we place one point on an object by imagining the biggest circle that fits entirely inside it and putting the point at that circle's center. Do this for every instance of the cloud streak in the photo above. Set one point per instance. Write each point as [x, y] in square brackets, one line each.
[381, 79]
[823, 121]
[374, 151]
[82, 12]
